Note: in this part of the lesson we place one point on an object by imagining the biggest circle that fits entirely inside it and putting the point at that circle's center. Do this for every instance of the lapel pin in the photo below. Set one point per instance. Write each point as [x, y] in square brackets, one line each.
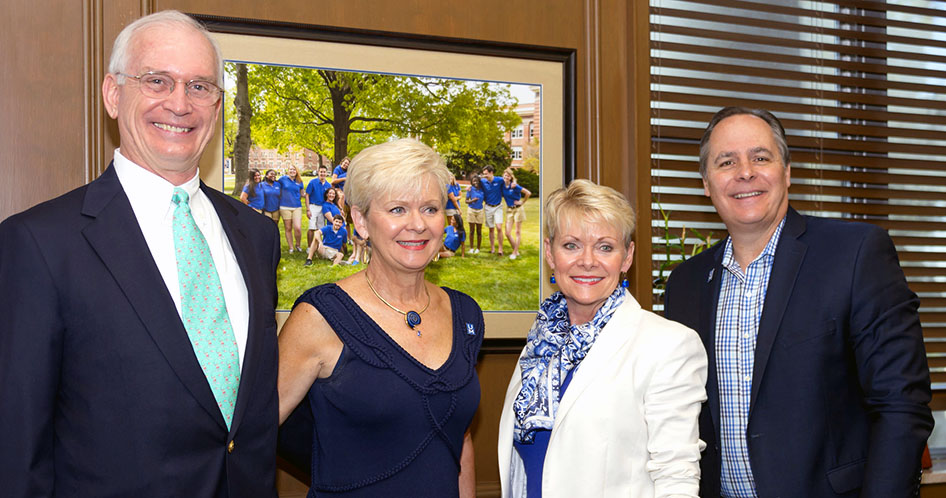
[709, 278]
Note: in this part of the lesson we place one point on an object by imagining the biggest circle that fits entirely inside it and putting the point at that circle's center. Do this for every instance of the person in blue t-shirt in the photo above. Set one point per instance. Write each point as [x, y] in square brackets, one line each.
[252, 195]
[453, 198]
[330, 242]
[453, 238]
[339, 174]
[290, 207]
[515, 196]
[474, 213]
[331, 206]
[270, 195]
[314, 197]
[493, 197]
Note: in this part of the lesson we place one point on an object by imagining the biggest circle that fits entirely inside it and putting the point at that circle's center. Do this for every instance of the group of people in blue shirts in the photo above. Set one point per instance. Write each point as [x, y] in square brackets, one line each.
[323, 200]
[484, 199]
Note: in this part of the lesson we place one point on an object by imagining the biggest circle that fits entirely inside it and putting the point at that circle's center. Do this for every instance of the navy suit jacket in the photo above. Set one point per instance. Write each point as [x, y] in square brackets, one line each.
[101, 394]
[840, 384]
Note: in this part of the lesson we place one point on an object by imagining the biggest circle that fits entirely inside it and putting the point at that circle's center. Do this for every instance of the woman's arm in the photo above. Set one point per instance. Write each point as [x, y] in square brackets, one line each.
[525, 196]
[308, 349]
[672, 410]
[244, 198]
[467, 471]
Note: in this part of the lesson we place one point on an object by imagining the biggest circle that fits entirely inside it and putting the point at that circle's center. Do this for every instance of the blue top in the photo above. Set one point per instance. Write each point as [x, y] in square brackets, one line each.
[330, 209]
[334, 239]
[384, 423]
[512, 194]
[452, 239]
[492, 190]
[256, 201]
[339, 172]
[316, 191]
[474, 197]
[270, 195]
[290, 192]
[455, 190]
[533, 455]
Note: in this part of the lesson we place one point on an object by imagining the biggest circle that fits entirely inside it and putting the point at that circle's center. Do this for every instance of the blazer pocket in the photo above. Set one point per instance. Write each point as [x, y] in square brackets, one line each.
[847, 477]
[789, 339]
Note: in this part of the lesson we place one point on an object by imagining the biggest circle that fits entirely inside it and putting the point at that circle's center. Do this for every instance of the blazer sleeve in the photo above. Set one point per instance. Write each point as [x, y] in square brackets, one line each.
[671, 408]
[892, 369]
[30, 356]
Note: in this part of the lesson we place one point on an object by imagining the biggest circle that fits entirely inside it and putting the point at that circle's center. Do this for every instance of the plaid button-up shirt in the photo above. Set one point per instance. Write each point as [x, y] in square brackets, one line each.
[738, 311]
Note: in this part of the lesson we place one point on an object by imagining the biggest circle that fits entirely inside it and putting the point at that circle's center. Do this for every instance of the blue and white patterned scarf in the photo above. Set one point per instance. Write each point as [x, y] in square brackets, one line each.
[553, 348]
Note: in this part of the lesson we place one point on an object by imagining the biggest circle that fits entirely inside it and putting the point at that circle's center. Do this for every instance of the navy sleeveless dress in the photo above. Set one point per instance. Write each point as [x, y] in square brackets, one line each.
[384, 423]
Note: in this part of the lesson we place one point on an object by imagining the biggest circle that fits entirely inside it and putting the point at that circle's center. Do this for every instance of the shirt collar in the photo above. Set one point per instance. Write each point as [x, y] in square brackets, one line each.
[146, 191]
[729, 262]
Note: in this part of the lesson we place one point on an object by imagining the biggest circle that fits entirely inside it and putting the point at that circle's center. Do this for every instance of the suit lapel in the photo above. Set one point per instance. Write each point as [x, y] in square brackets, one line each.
[116, 238]
[788, 258]
[709, 297]
[247, 260]
[606, 346]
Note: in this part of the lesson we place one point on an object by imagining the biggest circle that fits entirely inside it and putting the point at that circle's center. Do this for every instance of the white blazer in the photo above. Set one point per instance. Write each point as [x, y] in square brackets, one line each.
[627, 425]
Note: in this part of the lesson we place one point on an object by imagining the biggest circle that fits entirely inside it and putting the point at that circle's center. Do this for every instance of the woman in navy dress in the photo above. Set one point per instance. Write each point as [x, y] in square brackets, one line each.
[384, 359]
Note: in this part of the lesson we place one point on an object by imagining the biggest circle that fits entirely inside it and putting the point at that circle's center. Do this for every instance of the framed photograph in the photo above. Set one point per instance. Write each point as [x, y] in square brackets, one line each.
[520, 97]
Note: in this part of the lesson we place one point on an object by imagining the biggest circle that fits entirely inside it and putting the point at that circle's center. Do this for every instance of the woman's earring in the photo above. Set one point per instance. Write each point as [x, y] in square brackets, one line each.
[624, 282]
[552, 278]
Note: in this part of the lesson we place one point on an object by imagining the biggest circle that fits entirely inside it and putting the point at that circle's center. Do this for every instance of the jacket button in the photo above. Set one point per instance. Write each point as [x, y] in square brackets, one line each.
[230, 447]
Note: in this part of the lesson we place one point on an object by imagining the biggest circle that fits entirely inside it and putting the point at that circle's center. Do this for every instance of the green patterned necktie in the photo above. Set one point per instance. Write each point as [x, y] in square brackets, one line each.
[203, 308]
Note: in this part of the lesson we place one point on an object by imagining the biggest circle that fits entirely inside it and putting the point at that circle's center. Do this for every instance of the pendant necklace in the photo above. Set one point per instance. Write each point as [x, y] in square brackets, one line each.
[411, 317]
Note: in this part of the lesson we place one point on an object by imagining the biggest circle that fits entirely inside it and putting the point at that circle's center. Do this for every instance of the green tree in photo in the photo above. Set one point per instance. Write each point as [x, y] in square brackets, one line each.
[338, 113]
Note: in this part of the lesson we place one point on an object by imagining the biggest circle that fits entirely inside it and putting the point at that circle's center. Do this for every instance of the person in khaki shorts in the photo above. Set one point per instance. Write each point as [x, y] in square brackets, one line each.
[515, 196]
[330, 242]
[474, 213]
[290, 207]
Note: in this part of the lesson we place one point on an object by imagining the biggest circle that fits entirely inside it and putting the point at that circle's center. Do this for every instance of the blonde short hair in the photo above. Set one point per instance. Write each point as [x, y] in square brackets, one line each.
[404, 165]
[584, 201]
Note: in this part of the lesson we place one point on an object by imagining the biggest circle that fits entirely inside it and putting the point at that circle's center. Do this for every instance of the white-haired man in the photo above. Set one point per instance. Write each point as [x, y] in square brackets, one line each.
[138, 349]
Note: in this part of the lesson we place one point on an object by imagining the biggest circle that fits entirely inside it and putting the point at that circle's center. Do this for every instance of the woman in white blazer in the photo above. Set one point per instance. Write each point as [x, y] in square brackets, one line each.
[605, 398]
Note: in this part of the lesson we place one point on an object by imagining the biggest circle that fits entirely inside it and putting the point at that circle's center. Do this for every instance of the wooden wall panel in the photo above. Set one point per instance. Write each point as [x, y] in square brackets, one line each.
[41, 101]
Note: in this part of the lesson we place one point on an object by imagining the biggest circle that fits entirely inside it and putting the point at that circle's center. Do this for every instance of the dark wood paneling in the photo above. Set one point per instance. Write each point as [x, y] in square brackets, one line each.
[41, 101]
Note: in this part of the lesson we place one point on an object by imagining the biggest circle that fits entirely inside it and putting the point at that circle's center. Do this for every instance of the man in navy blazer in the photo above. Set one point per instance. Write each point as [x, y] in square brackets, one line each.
[818, 383]
[101, 391]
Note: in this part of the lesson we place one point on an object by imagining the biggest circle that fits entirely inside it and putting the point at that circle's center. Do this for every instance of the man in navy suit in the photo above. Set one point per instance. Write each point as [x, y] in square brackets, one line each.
[818, 383]
[102, 393]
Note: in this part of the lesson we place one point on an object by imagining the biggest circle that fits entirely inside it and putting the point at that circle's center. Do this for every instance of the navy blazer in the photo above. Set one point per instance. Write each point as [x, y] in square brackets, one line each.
[101, 394]
[840, 384]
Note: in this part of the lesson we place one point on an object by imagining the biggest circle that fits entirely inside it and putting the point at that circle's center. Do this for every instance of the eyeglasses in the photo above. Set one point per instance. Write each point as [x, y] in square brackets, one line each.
[159, 85]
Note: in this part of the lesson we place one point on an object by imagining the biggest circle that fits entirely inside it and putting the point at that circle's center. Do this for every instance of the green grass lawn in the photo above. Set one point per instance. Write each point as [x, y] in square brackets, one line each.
[495, 283]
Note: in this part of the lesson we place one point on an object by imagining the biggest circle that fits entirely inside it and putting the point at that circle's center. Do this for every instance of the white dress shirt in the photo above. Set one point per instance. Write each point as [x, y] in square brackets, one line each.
[150, 198]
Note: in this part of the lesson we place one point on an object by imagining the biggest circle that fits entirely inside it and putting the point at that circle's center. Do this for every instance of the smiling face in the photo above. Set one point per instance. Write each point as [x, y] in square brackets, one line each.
[330, 195]
[588, 259]
[257, 177]
[405, 228]
[292, 172]
[337, 224]
[746, 177]
[322, 173]
[488, 175]
[165, 136]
